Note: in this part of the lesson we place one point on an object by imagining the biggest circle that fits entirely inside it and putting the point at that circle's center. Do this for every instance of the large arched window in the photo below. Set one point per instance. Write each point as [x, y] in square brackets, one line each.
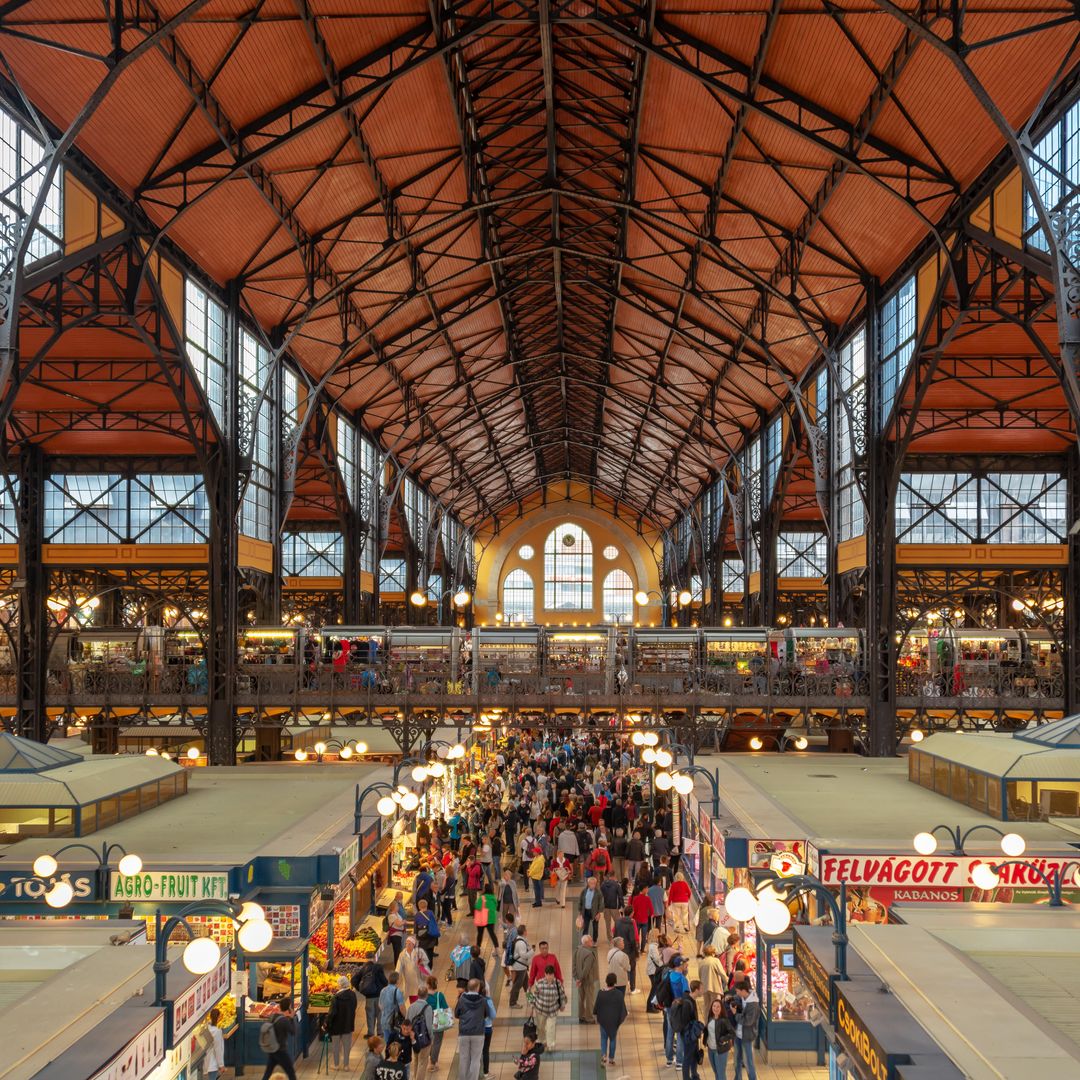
[618, 597]
[568, 569]
[517, 597]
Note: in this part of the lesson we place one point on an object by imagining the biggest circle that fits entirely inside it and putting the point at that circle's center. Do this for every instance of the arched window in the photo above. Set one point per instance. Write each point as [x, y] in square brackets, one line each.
[517, 597]
[568, 569]
[618, 597]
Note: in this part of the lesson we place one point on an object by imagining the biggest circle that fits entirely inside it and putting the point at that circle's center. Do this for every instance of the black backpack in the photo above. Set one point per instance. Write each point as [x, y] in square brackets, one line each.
[421, 1034]
[665, 994]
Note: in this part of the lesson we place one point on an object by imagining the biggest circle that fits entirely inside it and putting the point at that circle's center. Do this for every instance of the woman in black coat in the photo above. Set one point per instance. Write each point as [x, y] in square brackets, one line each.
[341, 1020]
[610, 1013]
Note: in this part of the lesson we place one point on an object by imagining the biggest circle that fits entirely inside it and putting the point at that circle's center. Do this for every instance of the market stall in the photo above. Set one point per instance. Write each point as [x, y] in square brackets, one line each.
[506, 659]
[826, 661]
[270, 659]
[664, 659]
[423, 659]
[734, 660]
[579, 661]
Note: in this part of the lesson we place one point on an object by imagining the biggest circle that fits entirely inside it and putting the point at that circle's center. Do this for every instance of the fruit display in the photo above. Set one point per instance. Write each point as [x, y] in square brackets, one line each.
[226, 1007]
[363, 946]
[321, 982]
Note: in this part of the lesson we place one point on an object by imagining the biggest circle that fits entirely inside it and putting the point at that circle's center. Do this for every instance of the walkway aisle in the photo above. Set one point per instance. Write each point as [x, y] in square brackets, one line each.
[640, 1053]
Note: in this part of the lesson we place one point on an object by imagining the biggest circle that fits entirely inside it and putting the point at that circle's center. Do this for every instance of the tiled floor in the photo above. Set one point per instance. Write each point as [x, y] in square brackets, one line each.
[640, 1054]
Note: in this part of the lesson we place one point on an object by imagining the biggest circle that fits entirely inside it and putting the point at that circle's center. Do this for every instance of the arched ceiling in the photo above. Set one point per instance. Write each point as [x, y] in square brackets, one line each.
[530, 241]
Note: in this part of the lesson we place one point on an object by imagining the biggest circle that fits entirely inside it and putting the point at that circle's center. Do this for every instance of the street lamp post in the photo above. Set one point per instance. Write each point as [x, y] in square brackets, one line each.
[202, 954]
[925, 843]
[387, 804]
[61, 893]
[986, 876]
[691, 771]
[771, 914]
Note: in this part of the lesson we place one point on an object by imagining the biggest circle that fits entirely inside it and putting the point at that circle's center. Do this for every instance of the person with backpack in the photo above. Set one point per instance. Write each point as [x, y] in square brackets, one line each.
[521, 955]
[599, 860]
[747, 1017]
[368, 982]
[341, 1020]
[421, 1017]
[391, 1005]
[670, 986]
[471, 1010]
[682, 1017]
[274, 1036]
[719, 1037]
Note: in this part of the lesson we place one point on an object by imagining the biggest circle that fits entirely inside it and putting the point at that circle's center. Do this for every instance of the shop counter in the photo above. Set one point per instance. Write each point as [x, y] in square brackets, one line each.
[786, 1001]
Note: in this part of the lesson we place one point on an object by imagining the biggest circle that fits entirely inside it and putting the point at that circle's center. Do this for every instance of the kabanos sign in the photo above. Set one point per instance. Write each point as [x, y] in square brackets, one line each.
[942, 871]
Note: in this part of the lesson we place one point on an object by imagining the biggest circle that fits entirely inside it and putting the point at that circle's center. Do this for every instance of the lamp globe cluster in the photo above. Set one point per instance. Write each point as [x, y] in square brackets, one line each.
[768, 910]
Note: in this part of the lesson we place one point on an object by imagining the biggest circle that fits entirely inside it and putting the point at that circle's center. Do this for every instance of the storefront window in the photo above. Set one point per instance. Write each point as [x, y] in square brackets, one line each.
[941, 776]
[993, 792]
[959, 783]
[1059, 799]
[1020, 801]
[977, 791]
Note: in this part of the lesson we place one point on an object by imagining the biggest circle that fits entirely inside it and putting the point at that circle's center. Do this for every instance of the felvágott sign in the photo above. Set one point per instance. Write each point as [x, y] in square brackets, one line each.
[169, 886]
[940, 871]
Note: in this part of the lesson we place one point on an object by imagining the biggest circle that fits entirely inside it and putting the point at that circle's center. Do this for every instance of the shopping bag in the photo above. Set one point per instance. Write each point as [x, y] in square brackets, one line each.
[443, 1020]
[480, 917]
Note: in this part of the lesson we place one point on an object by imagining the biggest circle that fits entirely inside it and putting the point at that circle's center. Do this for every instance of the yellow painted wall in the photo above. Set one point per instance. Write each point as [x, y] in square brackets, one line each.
[982, 555]
[501, 556]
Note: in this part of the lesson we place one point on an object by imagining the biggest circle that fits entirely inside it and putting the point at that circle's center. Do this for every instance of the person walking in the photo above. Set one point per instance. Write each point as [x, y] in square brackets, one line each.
[611, 1011]
[528, 1062]
[368, 982]
[611, 891]
[642, 908]
[474, 880]
[421, 1016]
[214, 1061]
[521, 955]
[540, 962]
[590, 905]
[537, 868]
[437, 1000]
[747, 1015]
[489, 1031]
[711, 974]
[618, 962]
[670, 987]
[548, 1000]
[509, 902]
[427, 932]
[412, 969]
[485, 915]
[705, 924]
[485, 856]
[341, 1020]
[719, 1037]
[635, 854]
[390, 1066]
[683, 1018]
[561, 869]
[395, 924]
[658, 896]
[391, 1005]
[586, 978]
[372, 1058]
[471, 1009]
[678, 899]
[283, 1028]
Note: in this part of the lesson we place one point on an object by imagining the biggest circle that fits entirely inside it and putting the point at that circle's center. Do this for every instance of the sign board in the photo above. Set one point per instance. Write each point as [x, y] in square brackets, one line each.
[140, 1057]
[813, 974]
[24, 885]
[813, 859]
[195, 1002]
[169, 886]
[926, 871]
[762, 851]
[369, 838]
[871, 1059]
[348, 857]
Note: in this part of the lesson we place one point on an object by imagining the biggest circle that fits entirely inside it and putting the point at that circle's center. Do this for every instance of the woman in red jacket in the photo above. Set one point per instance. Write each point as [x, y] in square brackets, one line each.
[678, 902]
